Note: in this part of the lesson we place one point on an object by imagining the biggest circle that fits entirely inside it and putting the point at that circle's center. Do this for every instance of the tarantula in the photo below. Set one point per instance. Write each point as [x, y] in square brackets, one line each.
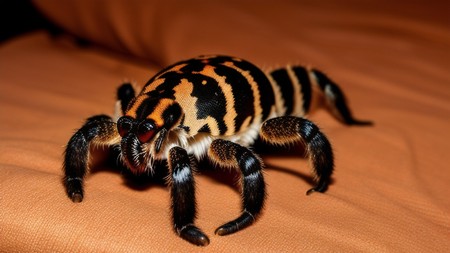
[214, 107]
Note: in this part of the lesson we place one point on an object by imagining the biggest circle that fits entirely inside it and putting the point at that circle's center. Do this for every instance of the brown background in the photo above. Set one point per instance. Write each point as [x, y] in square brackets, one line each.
[391, 186]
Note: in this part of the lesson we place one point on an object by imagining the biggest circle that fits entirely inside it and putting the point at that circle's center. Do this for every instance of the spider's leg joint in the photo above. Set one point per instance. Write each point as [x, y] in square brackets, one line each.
[288, 129]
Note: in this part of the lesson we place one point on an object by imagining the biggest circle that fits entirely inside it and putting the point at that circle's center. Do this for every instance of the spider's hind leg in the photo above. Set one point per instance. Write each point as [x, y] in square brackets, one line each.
[289, 129]
[229, 154]
[336, 99]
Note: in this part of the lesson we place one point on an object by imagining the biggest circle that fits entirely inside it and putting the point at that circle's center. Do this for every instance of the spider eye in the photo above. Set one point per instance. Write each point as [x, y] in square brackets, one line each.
[124, 125]
[146, 130]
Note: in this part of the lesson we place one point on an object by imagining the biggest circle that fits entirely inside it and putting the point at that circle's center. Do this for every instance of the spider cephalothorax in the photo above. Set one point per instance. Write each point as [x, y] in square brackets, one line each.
[214, 107]
[144, 131]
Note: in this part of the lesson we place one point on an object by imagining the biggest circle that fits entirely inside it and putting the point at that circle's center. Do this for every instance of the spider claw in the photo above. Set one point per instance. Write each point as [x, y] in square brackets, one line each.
[225, 229]
[76, 197]
[243, 221]
[310, 191]
[194, 235]
[74, 188]
[320, 187]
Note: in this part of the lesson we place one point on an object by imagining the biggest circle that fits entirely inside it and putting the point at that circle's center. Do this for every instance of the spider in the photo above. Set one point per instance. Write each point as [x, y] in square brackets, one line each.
[213, 107]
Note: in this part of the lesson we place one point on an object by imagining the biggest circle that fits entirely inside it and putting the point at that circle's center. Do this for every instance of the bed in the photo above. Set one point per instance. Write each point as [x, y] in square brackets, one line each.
[391, 183]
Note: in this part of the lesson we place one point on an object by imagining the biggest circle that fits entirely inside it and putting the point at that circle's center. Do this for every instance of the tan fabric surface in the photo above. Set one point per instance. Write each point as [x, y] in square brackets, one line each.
[390, 190]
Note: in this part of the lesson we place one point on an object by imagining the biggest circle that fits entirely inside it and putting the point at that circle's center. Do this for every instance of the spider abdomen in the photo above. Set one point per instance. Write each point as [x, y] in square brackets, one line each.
[219, 95]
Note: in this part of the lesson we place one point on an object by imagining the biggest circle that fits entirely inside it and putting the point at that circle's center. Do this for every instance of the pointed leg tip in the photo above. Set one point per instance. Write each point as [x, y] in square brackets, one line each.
[201, 241]
[320, 189]
[310, 191]
[76, 197]
[221, 231]
[313, 190]
[74, 189]
[195, 236]
[243, 221]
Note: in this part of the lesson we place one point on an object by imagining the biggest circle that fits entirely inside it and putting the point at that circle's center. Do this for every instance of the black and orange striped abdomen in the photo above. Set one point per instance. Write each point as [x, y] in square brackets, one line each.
[219, 95]
[293, 89]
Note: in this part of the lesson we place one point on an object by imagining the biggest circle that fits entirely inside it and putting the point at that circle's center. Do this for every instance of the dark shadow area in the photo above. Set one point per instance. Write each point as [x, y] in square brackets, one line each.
[296, 150]
[21, 16]
[307, 177]
[107, 160]
[218, 174]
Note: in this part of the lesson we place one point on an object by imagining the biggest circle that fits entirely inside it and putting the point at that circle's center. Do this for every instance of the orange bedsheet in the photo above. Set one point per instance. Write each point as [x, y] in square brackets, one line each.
[390, 190]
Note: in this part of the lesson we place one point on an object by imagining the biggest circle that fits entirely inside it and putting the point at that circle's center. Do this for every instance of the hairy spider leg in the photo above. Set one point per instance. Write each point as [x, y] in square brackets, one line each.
[100, 130]
[182, 193]
[336, 100]
[289, 129]
[294, 86]
[230, 154]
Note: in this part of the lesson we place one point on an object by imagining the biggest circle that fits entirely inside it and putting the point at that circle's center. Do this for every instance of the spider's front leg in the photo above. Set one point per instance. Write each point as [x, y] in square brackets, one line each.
[229, 154]
[289, 129]
[99, 130]
[182, 193]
